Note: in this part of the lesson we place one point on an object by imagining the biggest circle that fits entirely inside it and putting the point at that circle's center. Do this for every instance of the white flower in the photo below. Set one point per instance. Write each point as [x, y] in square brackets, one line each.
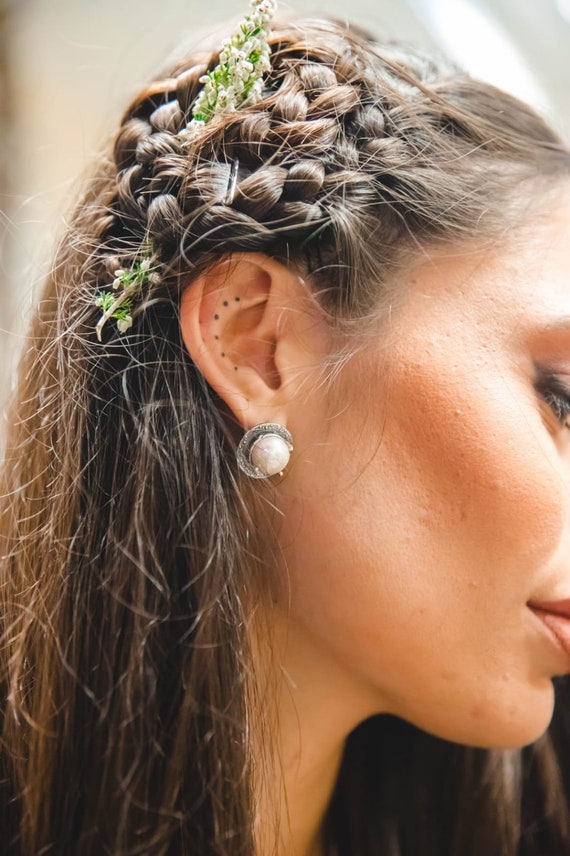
[124, 324]
[237, 79]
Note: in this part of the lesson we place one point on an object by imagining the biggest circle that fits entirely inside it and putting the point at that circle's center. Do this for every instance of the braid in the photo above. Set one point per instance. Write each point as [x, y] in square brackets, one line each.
[353, 157]
[179, 200]
[122, 472]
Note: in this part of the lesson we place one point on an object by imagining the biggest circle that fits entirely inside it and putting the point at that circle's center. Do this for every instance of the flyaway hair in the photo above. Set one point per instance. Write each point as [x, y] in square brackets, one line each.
[135, 552]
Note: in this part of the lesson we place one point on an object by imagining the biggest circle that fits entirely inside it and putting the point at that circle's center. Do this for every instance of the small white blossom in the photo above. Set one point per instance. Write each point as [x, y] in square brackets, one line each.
[118, 306]
[124, 324]
[237, 79]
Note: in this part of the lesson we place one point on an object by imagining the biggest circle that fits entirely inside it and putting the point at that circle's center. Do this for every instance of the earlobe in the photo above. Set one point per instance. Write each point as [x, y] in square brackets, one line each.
[238, 322]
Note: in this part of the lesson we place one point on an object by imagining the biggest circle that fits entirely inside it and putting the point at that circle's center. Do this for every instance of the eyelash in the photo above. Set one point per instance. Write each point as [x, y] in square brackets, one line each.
[556, 395]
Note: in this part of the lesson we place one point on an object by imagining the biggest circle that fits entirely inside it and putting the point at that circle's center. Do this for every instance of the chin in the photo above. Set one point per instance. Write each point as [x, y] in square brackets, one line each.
[523, 724]
[503, 724]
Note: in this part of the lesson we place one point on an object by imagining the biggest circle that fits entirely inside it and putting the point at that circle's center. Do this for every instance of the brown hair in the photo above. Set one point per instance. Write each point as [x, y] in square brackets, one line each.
[131, 561]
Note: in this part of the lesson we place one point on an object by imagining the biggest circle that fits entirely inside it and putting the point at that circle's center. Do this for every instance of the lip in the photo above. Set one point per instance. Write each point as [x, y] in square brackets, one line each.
[556, 607]
[556, 618]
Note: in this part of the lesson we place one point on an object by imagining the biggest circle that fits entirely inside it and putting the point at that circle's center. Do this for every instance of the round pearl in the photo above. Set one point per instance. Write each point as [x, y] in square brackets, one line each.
[270, 455]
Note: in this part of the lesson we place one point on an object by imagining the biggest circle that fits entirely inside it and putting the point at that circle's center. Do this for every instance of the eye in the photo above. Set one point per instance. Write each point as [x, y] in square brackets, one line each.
[555, 394]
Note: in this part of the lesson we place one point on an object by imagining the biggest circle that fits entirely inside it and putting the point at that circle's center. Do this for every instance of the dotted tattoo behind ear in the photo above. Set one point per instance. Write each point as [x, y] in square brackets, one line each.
[217, 318]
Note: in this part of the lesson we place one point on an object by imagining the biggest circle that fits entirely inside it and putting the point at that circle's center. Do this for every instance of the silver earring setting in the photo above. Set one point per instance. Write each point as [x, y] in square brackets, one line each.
[264, 450]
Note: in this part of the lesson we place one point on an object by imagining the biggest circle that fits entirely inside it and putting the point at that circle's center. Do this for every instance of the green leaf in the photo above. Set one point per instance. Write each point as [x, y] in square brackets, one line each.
[105, 300]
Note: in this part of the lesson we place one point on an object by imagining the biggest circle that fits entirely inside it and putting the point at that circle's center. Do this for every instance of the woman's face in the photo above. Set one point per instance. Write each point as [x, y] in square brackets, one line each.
[429, 499]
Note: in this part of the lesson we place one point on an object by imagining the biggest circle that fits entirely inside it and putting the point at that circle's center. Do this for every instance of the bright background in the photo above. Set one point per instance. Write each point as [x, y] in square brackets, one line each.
[67, 67]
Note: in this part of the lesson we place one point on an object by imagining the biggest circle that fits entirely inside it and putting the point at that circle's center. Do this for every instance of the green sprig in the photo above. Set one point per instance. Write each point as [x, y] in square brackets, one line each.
[118, 304]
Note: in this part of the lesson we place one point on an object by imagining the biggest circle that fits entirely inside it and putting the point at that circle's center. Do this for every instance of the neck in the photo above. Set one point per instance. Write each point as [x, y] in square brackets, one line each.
[316, 708]
[310, 761]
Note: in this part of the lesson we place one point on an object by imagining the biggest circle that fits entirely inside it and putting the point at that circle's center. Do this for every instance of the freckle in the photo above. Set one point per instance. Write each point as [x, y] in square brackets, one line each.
[223, 355]
[235, 368]
[476, 711]
[448, 675]
[216, 317]
[216, 337]
[236, 299]
[225, 302]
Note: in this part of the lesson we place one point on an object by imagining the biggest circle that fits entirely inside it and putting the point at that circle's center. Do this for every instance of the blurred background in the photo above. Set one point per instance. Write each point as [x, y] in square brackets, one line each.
[68, 67]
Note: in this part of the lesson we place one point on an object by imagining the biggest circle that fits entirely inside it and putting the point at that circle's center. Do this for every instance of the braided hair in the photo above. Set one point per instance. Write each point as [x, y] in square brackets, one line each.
[133, 549]
[352, 158]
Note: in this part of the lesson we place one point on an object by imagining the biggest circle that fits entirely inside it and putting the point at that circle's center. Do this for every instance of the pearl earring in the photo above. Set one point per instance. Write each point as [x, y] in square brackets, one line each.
[264, 450]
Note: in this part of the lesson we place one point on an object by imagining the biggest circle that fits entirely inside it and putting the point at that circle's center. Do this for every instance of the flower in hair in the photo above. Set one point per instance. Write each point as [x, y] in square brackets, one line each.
[238, 77]
[118, 303]
[236, 80]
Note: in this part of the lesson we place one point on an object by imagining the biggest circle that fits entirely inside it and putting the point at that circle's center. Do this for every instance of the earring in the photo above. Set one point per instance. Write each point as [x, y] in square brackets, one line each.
[264, 450]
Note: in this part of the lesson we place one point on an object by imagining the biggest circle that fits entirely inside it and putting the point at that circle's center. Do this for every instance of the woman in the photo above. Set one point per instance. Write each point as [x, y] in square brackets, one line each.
[362, 264]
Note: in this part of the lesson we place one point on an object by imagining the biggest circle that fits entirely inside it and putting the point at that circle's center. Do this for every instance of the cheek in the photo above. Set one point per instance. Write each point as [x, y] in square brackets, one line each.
[487, 475]
[415, 538]
[454, 488]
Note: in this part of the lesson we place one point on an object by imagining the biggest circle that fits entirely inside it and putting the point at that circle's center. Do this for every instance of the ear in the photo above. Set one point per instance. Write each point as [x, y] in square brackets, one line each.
[252, 329]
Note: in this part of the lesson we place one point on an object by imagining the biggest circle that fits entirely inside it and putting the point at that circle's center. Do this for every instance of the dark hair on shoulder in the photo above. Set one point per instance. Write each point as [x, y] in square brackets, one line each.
[134, 550]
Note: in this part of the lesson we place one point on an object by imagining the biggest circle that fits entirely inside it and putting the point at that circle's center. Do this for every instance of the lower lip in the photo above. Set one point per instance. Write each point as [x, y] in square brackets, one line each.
[559, 627]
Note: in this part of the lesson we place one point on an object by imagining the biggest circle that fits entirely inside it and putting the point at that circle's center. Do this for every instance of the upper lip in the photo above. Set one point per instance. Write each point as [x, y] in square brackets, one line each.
[556, 607]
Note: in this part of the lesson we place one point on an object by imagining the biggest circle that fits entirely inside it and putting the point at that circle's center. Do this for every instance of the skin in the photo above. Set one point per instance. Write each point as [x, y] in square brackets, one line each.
[426, 504]
[411, 561]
